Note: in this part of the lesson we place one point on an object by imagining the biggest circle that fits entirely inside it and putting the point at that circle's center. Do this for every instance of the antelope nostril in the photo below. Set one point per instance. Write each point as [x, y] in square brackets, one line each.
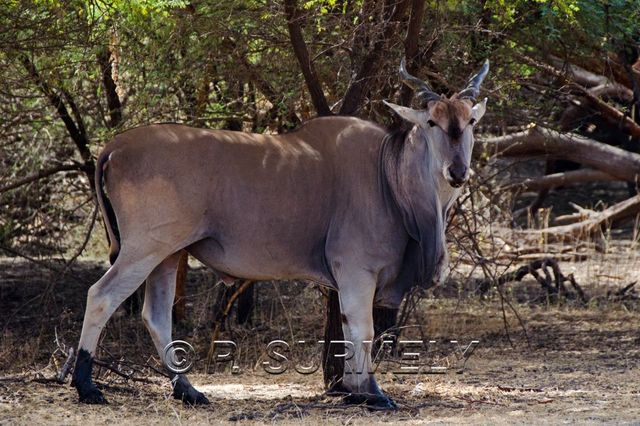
[458, 172]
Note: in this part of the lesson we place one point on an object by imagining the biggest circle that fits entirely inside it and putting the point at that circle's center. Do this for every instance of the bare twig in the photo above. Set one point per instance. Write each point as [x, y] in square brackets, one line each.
[216, 330]
[87, 237]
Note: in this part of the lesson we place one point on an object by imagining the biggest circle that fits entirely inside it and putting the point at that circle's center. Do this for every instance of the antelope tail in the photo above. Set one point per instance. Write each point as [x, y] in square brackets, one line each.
[108, 215]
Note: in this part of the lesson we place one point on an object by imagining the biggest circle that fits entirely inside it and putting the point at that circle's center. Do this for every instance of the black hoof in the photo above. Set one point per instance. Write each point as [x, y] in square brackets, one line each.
[193, 398]
[87, 391]
[372, 402]
[185, 392]
[92, 396]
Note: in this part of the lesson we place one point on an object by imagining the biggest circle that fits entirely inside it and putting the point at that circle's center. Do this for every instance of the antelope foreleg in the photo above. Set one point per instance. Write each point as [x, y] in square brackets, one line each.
[356, 294]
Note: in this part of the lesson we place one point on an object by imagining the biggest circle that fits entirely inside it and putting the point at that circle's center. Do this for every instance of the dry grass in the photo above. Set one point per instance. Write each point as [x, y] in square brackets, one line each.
[579, 363]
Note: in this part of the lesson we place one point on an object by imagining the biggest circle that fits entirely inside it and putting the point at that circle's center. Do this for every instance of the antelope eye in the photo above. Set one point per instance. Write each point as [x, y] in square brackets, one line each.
[473, 121]
[431, 123]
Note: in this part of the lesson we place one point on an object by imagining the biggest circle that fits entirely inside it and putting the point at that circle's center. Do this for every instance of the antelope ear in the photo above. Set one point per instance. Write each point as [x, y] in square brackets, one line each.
[414, 116]
[479, 109]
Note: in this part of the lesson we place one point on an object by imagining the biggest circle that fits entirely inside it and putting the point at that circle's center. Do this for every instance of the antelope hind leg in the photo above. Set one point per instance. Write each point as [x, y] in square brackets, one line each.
[156, 314]
[103, 298]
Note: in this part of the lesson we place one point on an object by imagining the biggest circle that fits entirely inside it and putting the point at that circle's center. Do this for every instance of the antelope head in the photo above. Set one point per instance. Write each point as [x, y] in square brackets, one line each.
[446, 123]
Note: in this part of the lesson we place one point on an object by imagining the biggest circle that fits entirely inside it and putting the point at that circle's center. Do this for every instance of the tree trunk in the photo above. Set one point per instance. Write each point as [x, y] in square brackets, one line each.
[352, 102]
[302, 53]
[114, 105]
[412, 46]
[370, 65]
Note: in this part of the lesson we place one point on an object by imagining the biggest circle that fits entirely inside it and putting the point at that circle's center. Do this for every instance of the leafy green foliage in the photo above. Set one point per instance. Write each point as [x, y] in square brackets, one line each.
[230, 64]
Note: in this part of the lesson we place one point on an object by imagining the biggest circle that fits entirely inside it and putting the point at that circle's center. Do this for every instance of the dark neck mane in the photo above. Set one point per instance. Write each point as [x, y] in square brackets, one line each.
[389, 165]
[421, 218]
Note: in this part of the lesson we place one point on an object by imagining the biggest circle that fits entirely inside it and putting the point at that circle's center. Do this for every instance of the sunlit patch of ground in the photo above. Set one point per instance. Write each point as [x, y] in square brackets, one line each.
[261, 391]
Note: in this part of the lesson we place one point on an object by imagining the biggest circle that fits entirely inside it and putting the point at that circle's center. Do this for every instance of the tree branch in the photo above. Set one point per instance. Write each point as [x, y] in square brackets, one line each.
[41, 175]
[267, 90]
[607, 111]
[76, 131]
[77, 116]
[302, 54]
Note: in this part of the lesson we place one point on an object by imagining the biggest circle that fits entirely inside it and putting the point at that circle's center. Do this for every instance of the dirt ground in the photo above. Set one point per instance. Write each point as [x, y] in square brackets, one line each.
[573, 364]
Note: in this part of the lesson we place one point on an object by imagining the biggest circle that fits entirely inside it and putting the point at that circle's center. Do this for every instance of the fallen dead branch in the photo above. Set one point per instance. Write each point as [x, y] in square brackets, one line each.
[67, 367]
[562, 179]
[22, 377]
[126, 369]
[542, 142]
[607, 111]
[568, 256]
[625, 293]
[590, 221]
[512, 389]
[552, 280]
[477, 401]
[597, 84]
[577, 251]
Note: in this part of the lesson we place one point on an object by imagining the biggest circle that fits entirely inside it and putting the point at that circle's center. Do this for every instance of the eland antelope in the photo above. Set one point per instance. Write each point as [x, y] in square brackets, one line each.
[341, 202]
